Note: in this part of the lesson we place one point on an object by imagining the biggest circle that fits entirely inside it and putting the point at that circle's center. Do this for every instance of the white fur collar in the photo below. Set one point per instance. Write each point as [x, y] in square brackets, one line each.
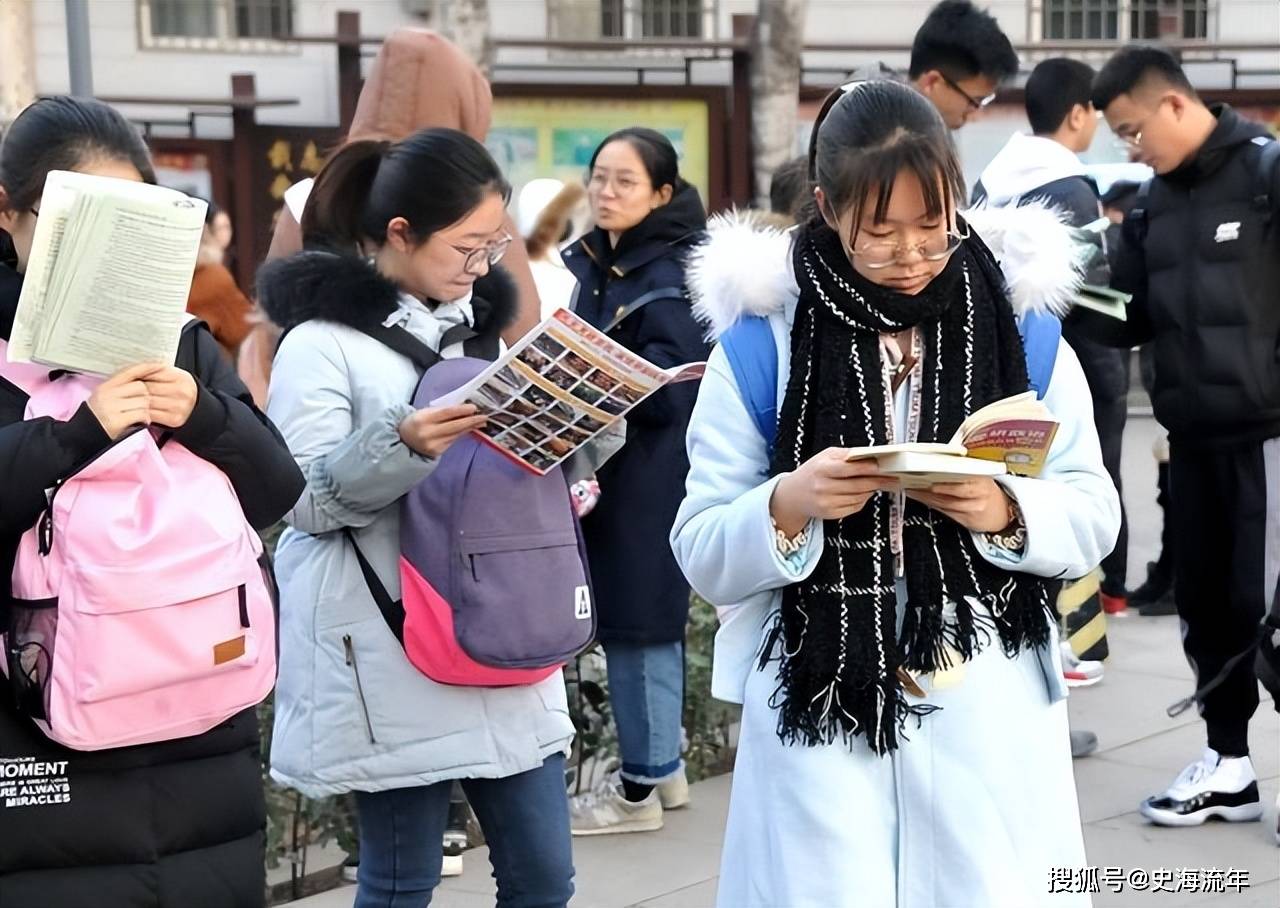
[744, 267]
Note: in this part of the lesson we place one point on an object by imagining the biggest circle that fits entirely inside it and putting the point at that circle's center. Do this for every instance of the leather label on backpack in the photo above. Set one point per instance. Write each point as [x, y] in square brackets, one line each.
[582, 603]
[228, 650]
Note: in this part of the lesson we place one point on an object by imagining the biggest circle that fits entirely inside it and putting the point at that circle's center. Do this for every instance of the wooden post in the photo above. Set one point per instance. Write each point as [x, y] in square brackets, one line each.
[243, 216]
[349, 79]
[740, 176]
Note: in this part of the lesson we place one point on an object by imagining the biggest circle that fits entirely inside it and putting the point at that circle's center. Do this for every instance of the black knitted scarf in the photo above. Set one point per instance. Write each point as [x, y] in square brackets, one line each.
[840, 649]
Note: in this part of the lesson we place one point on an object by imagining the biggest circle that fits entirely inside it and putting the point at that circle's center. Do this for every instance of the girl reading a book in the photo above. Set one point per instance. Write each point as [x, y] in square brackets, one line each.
[904, 735]
[407, 235]
[175, 824]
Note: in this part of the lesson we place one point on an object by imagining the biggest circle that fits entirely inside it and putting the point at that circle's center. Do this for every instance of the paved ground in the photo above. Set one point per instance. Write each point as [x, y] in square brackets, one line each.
[1141, 750]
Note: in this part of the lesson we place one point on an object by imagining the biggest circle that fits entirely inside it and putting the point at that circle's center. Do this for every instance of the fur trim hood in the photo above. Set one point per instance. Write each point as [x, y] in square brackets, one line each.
[349, 290]
[744, 267]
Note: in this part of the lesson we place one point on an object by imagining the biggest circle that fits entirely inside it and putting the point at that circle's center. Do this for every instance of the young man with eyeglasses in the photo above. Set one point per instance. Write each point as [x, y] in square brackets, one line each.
[959, 58]
[1200, 253]
[1044, 168]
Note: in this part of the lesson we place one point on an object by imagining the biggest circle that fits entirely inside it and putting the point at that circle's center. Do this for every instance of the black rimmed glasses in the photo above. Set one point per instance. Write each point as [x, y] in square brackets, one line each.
[975, 103]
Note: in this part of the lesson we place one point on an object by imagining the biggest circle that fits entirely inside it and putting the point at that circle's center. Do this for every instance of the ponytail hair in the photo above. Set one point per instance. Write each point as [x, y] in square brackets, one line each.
[432, 179]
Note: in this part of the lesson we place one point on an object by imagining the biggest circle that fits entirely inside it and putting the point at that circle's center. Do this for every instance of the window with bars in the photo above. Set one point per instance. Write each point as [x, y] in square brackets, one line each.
[1103, 20]
[628, 18]
[613, 19]
[1081, 20]
[1186, 19]
[671, 18]
[208, 23]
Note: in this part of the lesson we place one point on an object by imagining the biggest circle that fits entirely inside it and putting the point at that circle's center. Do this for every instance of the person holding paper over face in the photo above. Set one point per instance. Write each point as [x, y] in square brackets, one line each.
[201, 843]
[904, 736]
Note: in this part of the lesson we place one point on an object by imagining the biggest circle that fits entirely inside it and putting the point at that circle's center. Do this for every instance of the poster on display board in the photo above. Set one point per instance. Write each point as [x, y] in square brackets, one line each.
[556, 137]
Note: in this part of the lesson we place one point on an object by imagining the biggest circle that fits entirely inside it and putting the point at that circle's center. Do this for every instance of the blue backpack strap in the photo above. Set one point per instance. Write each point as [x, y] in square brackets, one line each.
[1040, 332]
[753, 357]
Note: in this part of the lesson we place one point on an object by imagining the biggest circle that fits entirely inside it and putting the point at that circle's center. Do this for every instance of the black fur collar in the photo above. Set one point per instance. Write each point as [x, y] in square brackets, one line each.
[349, 290]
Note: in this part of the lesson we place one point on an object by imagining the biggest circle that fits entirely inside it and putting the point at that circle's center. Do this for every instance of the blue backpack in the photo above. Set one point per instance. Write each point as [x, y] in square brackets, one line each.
[753, 357]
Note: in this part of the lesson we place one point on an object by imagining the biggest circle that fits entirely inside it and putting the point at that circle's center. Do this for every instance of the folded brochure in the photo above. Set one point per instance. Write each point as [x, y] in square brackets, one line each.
[1009, 436]
[557, 388]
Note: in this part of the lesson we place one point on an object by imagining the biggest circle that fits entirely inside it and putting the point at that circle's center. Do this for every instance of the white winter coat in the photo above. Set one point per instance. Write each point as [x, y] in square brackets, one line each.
[978, 804]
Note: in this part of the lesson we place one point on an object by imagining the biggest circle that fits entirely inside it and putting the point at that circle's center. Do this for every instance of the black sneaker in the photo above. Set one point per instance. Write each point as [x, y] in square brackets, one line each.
[1213, 786]
[1165, 605]
[1158, 584]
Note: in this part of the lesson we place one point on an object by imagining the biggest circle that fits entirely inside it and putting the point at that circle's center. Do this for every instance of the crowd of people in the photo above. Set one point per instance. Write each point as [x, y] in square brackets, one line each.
[902, 656]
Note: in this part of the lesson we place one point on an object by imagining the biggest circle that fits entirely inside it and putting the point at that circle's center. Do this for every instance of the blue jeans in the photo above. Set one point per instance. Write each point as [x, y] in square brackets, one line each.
[525, 819]
[646, 690]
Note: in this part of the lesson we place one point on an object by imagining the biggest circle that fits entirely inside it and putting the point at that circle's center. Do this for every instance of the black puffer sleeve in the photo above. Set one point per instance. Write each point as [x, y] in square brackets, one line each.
[34, 455]
[227, 430]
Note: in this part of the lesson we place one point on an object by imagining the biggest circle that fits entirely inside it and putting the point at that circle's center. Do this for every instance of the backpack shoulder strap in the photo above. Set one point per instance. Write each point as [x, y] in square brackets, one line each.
[402, 341]
[1265, 176]
[661, 293]
[392, 611]
[1041, 332]
[753, 357]
[1135, 223]
[26, 377]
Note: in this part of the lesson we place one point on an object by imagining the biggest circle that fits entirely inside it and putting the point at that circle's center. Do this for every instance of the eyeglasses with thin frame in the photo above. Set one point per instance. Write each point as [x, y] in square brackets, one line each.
[883, 254]
[622, 184]
[975, 103]
[490, 253]
[1133, 141]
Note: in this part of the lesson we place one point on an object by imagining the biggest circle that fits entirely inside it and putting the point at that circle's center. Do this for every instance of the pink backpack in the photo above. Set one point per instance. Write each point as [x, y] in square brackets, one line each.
[141, 608]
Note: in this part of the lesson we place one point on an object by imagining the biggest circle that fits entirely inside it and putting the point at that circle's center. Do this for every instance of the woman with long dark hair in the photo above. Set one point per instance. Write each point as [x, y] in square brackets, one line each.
[175, 824]
[631, 285]
[404, 234]
[904, 738]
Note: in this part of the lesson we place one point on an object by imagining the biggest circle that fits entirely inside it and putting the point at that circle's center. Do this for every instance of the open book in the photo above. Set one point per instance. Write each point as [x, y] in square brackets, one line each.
[558, 387]
[110, 271]
[1090, 249]
[1009, 436]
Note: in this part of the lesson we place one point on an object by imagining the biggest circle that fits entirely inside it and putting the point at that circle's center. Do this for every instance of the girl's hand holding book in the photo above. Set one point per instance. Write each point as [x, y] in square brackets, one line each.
[827, 486]
[123, 401]
[978, 504]
[172, 395]
[433, 430]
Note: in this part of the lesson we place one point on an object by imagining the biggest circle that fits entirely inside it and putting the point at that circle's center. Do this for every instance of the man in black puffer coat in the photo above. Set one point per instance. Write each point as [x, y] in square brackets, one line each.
[1201, 255]
[1045, 168]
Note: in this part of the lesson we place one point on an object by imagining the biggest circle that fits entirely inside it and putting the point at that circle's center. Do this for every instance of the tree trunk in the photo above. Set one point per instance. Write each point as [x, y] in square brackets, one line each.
[17, 58]
[775, 87]
[466, 24]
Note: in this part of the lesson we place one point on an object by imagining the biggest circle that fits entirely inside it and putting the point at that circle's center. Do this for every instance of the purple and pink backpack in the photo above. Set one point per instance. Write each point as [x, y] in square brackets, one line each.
[493, 571]
[141, 607]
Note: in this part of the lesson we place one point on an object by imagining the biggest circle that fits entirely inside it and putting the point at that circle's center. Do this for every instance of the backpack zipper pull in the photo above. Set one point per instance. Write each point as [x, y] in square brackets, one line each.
[45, 531]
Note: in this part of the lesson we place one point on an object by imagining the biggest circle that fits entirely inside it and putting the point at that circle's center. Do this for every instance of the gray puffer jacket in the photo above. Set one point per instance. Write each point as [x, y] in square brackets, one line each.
[351, 713]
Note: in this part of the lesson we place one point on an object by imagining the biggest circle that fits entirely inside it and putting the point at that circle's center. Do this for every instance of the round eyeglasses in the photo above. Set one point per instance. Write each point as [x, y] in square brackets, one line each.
[934, 249]
[489, 254]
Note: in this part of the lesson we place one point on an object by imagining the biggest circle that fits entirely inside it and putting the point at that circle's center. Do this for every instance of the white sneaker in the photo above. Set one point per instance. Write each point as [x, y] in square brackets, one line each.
[1079, 672]
[451, 865]
[674, 791]
[605, 811]
[1213, 786]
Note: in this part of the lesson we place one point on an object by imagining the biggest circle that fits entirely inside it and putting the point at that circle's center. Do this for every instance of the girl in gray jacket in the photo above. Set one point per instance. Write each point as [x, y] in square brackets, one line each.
[396, 235]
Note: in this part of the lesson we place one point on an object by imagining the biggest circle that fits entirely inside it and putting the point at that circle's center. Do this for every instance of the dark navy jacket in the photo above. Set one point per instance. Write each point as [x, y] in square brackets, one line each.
[636, 292]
